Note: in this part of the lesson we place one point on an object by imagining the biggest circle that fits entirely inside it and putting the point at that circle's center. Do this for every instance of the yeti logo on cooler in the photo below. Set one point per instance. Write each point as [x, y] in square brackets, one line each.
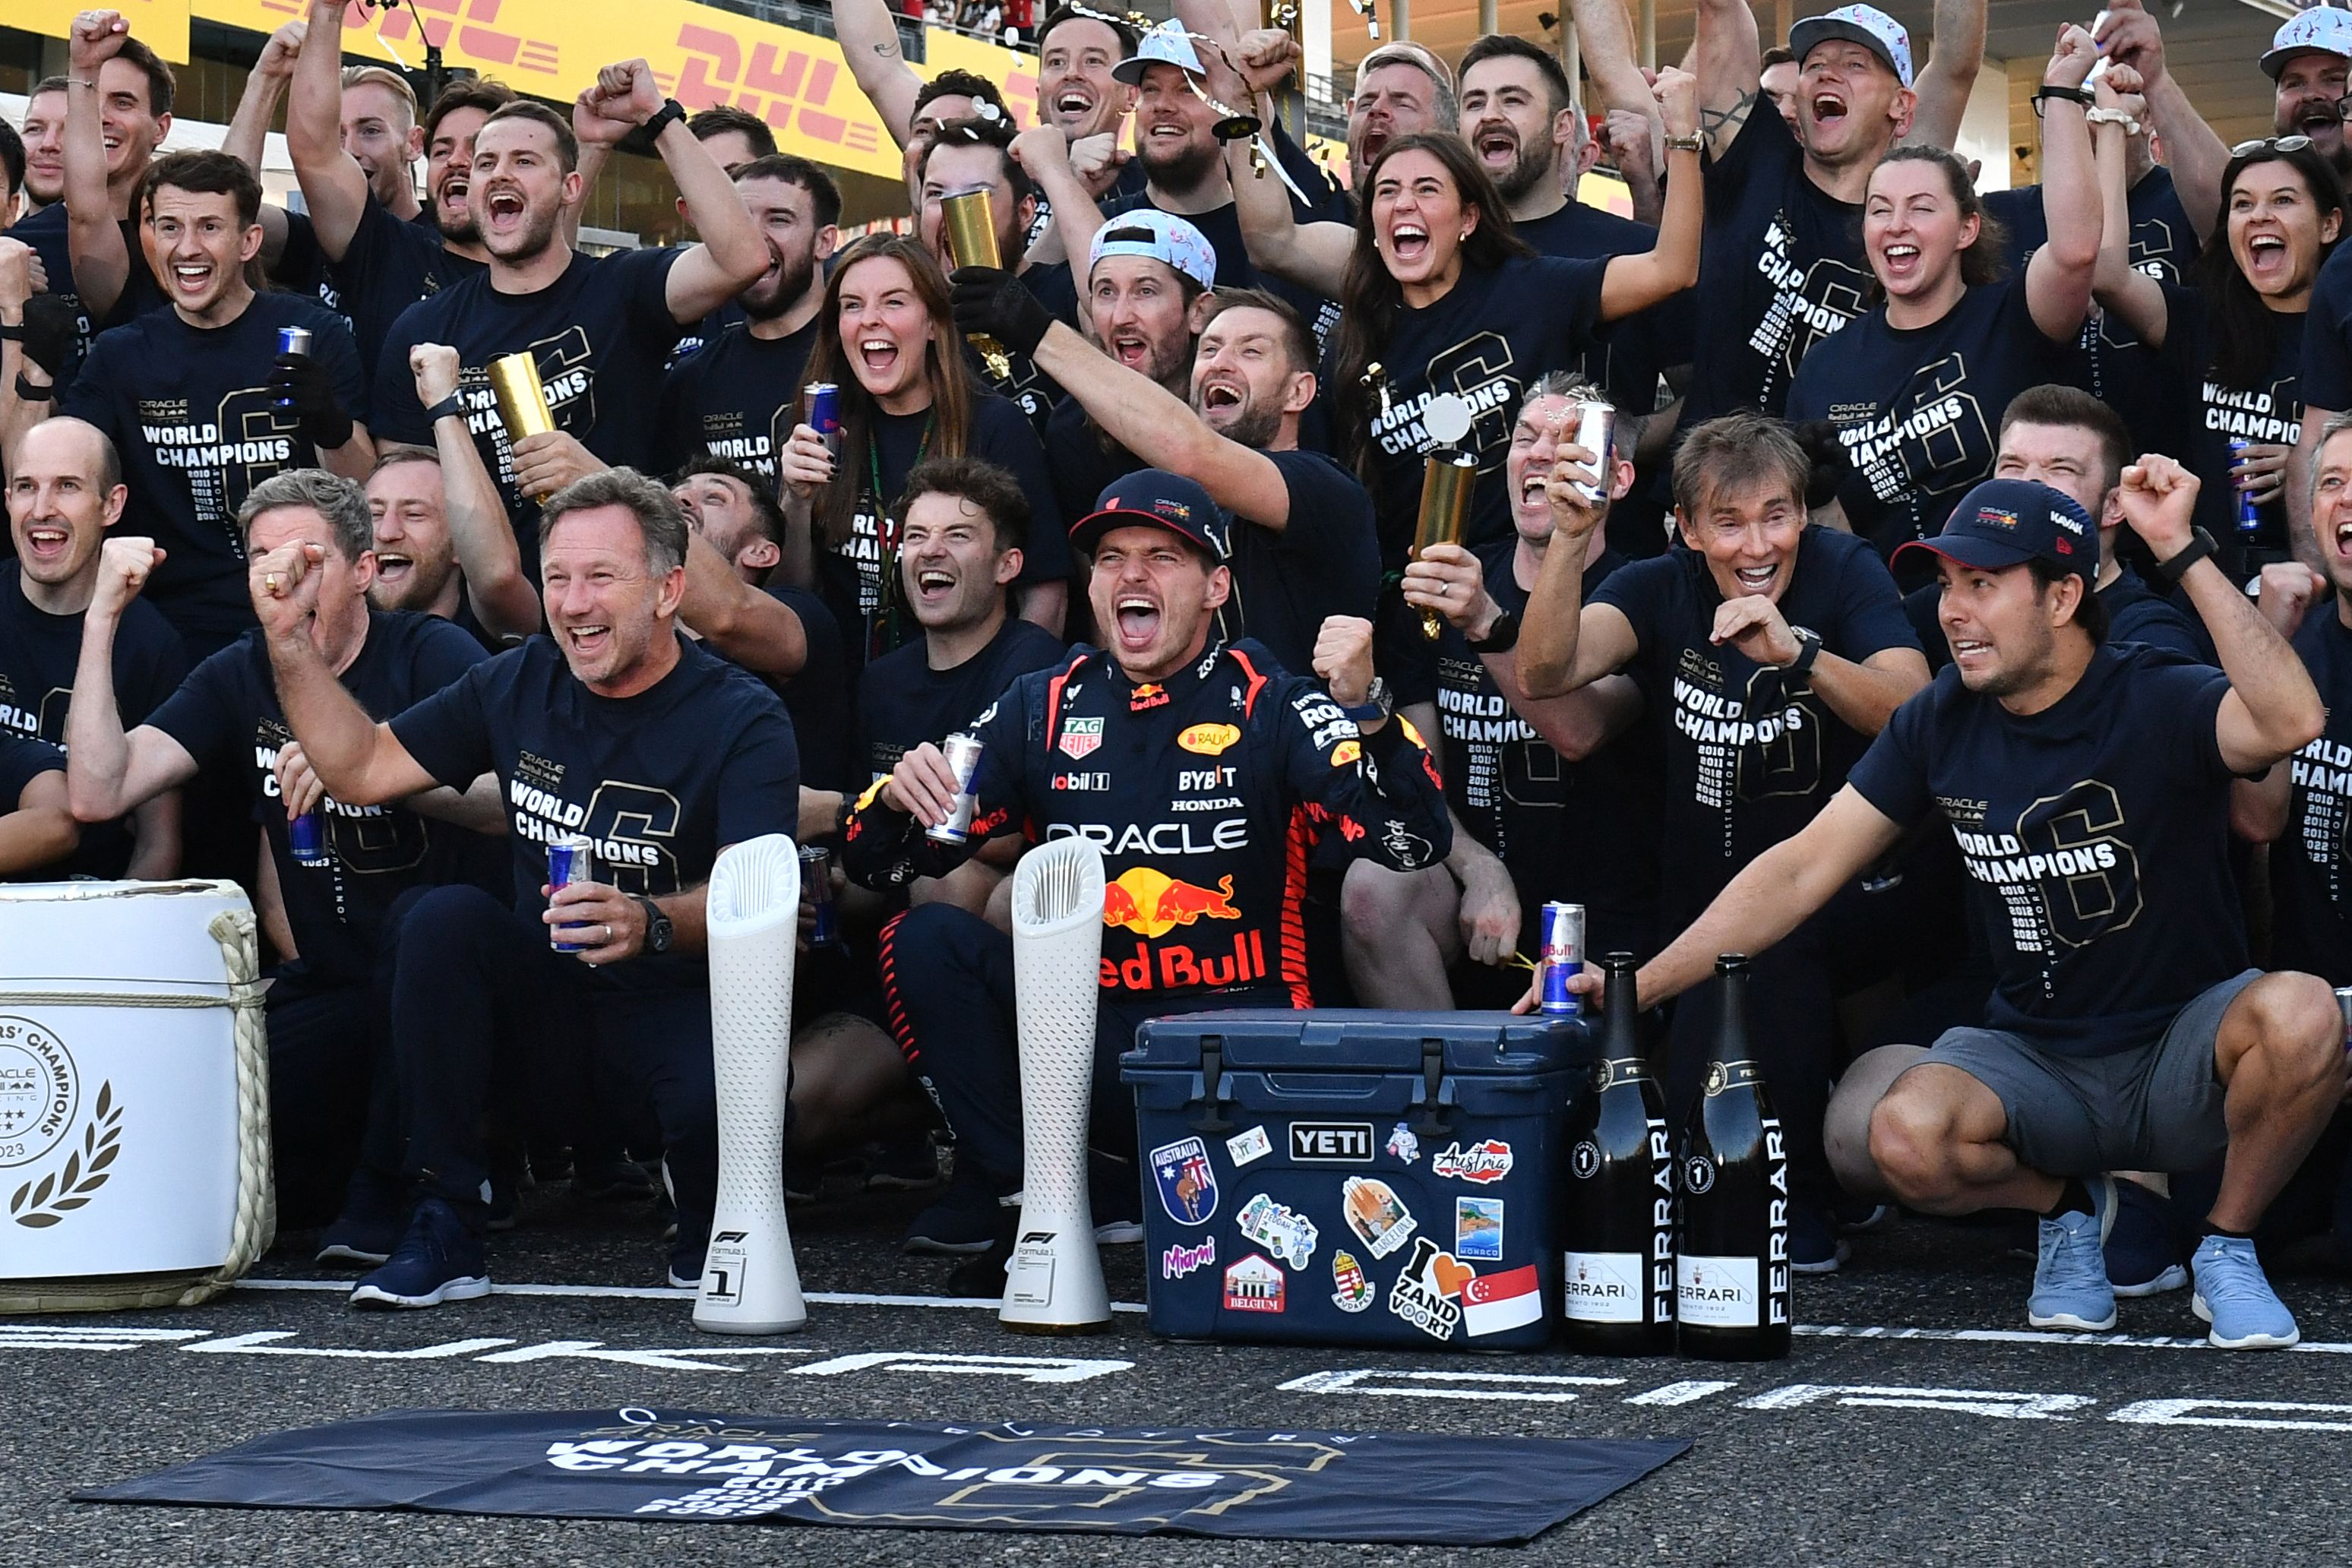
[1331, 1142]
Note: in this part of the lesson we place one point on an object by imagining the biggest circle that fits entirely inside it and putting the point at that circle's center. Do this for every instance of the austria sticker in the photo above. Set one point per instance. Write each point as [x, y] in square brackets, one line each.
[1495, 1302]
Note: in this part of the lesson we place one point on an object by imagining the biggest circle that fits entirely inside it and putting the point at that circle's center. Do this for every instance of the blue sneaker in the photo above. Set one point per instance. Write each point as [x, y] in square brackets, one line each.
[2143, 1253]
[438, 1261]
[2233, 1295]
[1815, 1245]
[2070, 1277]
[374, 1218]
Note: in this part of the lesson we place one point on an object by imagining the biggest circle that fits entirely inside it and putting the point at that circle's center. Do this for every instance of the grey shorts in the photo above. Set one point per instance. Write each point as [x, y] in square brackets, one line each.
[2155, 1107]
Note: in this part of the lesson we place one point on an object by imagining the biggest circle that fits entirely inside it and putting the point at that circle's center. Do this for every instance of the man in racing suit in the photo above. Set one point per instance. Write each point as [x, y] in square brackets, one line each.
[1203, 772]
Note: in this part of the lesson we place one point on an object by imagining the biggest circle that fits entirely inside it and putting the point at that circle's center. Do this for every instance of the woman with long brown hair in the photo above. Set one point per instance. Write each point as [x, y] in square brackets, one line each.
[887, 341]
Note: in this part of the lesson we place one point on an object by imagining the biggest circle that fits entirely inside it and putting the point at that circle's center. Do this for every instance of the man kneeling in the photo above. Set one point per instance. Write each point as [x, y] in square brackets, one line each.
[2088, 788]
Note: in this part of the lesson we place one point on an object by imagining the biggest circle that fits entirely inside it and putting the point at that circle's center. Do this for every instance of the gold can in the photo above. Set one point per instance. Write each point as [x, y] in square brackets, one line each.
[969, 217]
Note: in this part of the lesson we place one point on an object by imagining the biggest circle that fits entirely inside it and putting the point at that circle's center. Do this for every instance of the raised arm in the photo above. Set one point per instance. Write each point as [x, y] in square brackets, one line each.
[2191, 150]
[2058, 279]
[1954, 59]
[1728, 62]
[754, 629]
[107, 771]
[1564, 643]
[1043, 152]
[2271, 710]
[1636, 282]
[505, 601]
[2137, 299]
[1604, 43]
[2290, 591]
[101, 265]
[1864, 694]
[732, 253]
[358, 761]
[870, 42]
[335, 187]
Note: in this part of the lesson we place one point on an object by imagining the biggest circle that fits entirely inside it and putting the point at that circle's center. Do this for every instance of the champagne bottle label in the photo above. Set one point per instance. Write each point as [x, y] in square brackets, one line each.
[1717, 1292]
[1602, 1286]
[1721, 1076]
[1630, 1069]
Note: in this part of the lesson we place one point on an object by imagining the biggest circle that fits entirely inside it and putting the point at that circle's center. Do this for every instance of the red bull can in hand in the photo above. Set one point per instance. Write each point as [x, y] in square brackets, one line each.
[2250, 513]
[572, 858]
[292, 341]
[962, 752]
[1562, 958]
[306, 838]
[820, 412]
[816, 878]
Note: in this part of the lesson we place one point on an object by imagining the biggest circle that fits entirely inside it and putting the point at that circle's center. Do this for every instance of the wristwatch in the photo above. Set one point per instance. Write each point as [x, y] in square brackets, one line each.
[2173, 569]
[642, 139]
[1375, 707]
[1809, 649]
[1500, 638]
[451, 404]
[1694, 143]
[658, 931]
[31, 394]
[2082, 95]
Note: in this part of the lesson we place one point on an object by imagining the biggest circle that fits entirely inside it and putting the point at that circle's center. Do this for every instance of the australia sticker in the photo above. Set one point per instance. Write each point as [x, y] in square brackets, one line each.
[1188, 1187]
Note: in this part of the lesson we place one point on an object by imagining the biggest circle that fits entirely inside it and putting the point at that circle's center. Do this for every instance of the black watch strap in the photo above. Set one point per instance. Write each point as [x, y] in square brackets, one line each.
[452, 404]
[31, 394]
[2082, 95]
[658, 927]
[2172, 569]
[1501, 638]
[642, 139]
[1809, 649]
[12, 333]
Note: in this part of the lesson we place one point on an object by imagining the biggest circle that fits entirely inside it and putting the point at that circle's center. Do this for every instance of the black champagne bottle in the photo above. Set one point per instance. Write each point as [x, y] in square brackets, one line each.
[1731, 1249]
[1617, 1278]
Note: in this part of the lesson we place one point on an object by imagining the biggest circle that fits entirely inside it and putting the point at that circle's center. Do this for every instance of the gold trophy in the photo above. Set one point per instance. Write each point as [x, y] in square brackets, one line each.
[522, 401]
[969, 220]
[1448, 482]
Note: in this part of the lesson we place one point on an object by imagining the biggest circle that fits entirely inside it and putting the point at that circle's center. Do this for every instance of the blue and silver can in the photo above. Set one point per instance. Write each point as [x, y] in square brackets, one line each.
[821, 411]
[962, 752]
[2344, 1005]
[816, 882]
[1562, 958]
[292, 341]
[2249, 512]
[306, 838]
[571, 858]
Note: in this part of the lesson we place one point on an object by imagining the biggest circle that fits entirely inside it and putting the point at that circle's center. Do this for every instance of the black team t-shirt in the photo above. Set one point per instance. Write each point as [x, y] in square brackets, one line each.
[600, 335]
[2268, 413]
[189, 410]
[1751, 751]
[1493, 334]
[1584, 832]
[737, 397]
[851, 577]
[226, 715]
[2136, 613]
[21, 762]
[818, 698]
[661, 781]
[45, 231]
[1626, 355]
[1780, 268]
[903, 701]
[1918, 409]
[389, 266]
[1082, 460]
[1325, 560]
[38, 652]
[2095, 837]
[2311, 863]
[2327, 340]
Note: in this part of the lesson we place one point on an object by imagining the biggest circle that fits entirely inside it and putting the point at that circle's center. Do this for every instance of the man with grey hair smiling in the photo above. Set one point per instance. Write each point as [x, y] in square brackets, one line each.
[226, 716]
[610, 730]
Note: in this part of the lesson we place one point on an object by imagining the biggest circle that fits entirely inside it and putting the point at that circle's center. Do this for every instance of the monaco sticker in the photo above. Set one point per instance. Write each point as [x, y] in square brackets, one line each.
[1478, 1229]
[1481, 1163]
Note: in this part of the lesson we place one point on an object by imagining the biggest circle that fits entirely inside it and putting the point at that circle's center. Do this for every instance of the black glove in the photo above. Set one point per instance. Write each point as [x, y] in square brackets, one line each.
[52, 331]
[1819, 438]
[988, 299]
[301, 386]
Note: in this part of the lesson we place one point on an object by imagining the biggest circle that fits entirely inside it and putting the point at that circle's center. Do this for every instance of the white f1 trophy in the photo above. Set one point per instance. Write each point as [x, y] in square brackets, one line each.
[1054, 1284]
[750, 1282]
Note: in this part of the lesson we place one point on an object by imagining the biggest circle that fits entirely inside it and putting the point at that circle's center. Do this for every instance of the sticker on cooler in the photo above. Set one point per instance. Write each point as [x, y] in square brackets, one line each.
[1404, 1144]
[1187, 1186]
[1421, 1294]
[1715, 1292]
[1602, 1286]
[1245, 1147]
[1481, 1163]
[1375, 1215]
[1493, 1303]
[1355, 1291]
[1180, 1259]
[1478, 1229]
[1283, 1231]
[1254, 1285]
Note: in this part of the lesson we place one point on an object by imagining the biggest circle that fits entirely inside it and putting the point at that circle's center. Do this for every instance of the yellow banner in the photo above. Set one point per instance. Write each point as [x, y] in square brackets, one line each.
[702, 57]
[160, 25]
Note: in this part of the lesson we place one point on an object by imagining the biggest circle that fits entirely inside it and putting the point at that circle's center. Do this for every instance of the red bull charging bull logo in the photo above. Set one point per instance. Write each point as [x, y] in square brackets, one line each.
[1151, 904]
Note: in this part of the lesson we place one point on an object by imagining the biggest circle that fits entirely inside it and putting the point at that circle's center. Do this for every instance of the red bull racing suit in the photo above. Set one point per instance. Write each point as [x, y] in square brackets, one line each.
[1204, 793]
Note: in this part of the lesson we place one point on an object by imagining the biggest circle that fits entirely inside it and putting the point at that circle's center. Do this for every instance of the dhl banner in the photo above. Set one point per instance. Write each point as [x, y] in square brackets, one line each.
[797, 82]
[164, 24]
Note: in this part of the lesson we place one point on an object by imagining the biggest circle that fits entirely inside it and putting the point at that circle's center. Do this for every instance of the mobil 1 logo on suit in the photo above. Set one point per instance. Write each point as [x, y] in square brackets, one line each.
[1331, 1144]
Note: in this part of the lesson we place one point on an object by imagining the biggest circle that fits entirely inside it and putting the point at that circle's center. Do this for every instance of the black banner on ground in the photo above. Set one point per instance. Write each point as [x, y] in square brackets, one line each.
[688, 1465]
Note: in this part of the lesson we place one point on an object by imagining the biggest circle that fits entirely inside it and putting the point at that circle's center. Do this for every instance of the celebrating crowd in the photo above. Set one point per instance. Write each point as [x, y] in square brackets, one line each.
[2028, 511]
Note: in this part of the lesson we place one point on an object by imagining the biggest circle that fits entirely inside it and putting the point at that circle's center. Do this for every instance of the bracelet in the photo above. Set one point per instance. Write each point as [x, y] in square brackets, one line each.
[450, 405]
[2113, 117]
[76, 81]
[12, 333]
[1694, 143]
[31, 394]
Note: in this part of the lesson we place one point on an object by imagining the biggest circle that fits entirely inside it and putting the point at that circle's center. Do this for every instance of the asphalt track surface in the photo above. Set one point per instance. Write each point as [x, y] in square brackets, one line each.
[1865, 1446]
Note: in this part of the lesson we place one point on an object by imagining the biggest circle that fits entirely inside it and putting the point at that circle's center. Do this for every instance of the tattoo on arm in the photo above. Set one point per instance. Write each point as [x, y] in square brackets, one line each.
[1721, 124]
[887, 48]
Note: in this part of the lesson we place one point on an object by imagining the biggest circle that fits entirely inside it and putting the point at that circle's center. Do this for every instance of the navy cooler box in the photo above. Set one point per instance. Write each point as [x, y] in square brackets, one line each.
[1354, 1177]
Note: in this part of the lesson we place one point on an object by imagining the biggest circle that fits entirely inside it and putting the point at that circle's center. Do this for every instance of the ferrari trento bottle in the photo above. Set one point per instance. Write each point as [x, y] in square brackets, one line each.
[1617, 1280]
[1731, 1250]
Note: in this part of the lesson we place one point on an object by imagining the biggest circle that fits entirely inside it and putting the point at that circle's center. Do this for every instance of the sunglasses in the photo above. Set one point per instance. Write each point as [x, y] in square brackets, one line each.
[2270, 144]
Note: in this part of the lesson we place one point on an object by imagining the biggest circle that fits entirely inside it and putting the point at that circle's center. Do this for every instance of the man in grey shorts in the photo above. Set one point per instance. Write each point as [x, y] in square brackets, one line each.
[2087, 787]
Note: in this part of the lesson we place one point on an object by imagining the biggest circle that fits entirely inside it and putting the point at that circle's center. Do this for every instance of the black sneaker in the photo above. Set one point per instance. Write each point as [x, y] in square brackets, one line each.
[963, 1222]
[370, 1226]
[437, 1260]
[906, 1163]
[505, 1198]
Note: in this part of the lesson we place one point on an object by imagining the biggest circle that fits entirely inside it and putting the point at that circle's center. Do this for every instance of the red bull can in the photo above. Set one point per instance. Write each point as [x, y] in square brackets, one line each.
[571, 858]
[816, 878]
[1596, 432]
[820, 412]
[962, 752]
[293, 340]
[2250, 514]
[1562, 958]
[306, 838]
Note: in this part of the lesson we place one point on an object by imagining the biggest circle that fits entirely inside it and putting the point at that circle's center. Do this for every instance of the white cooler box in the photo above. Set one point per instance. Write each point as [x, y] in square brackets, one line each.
[135, 1095]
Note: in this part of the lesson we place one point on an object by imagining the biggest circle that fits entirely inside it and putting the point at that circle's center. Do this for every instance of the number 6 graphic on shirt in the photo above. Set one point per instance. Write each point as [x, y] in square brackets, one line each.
[627, 816]
[2092, 886]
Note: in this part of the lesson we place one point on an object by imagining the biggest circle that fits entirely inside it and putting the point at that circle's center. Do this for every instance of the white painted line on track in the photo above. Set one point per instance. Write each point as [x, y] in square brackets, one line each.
[2043, 1336]
[663, 1294]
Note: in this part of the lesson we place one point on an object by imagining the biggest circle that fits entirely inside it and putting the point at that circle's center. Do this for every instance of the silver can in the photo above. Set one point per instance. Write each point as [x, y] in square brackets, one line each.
[2344, 1005]
[1596, 432]
[962, 752]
